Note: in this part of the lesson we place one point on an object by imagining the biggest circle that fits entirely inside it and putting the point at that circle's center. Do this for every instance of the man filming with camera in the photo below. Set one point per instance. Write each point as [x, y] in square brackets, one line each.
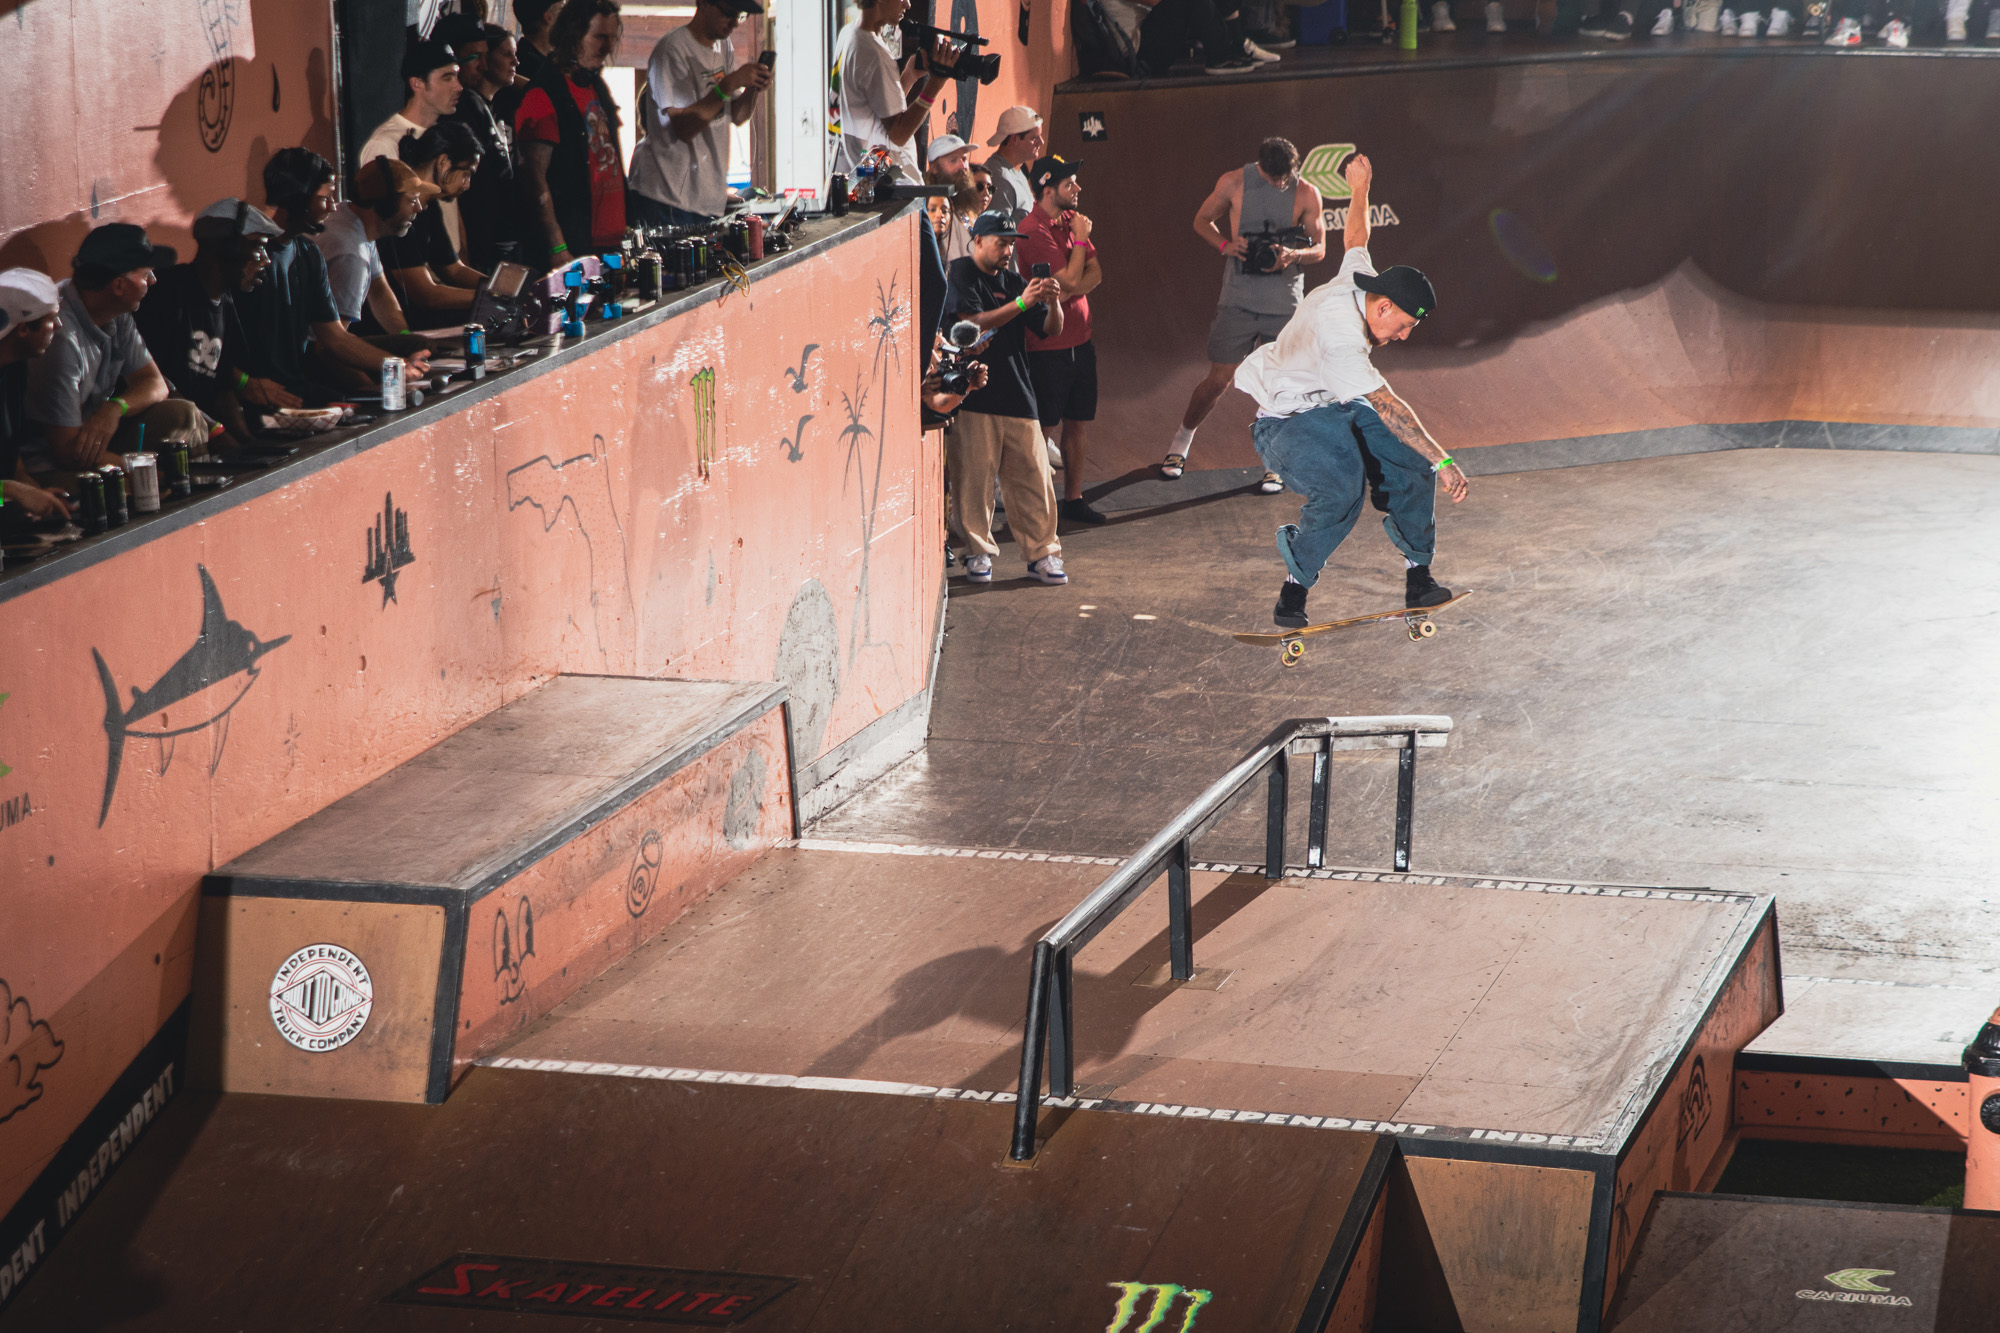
[1275, 228]
[877, 106]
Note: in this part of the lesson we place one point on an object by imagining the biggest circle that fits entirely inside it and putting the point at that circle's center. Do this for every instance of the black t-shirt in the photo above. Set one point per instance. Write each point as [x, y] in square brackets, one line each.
[279, 314]
[13, 416]
[489, 208]
[197, 343]
[970, 290]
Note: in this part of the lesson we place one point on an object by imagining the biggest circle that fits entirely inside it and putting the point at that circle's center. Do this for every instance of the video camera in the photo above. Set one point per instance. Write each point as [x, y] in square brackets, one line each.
[1260, 254]
[954, 363]
[966, 64]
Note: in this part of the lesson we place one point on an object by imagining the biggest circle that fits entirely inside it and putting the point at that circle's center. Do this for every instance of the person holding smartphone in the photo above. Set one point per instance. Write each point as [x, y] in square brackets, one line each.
[1055, 242]
[680, 171]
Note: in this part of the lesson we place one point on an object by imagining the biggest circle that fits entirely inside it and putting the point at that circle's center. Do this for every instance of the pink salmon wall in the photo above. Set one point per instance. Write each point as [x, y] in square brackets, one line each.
[741, 492]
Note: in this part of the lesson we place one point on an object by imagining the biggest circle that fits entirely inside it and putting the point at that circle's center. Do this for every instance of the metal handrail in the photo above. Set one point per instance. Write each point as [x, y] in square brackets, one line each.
[1051, 989]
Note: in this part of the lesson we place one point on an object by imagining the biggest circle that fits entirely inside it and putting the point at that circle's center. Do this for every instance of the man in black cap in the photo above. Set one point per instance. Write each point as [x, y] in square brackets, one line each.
[431, 92]
[190, 324]
[680, 172]
[96, 387]
[1064, 368]
[1334, 430]
[997, 435]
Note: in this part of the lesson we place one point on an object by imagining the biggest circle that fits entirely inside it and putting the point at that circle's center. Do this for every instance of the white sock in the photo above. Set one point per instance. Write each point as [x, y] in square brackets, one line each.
[1183, 442]
[1409, 563]
[1290, 579]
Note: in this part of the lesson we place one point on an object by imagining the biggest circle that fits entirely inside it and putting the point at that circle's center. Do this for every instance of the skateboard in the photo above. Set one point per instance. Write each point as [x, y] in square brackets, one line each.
[1417, 619]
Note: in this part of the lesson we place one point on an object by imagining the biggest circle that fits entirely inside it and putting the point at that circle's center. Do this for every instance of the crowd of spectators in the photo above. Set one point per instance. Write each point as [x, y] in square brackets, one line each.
[503, 149]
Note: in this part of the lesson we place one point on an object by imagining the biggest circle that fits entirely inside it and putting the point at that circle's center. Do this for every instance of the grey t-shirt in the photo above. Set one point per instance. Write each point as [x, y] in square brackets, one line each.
[1011, 194]
[79, 371]
[352, 262]
[691, 174]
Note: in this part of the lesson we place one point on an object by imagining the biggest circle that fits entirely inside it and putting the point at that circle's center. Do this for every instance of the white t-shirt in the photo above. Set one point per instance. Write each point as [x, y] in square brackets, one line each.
[870, 92]
[384, 142]
[352, 264]
[691, 174]
[1321, 356]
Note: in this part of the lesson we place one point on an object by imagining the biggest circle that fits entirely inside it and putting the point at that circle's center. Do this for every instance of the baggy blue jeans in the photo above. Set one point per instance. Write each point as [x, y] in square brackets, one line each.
[1335, 456]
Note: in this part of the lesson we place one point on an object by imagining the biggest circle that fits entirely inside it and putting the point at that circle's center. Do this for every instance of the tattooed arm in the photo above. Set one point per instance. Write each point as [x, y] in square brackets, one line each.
[1403, 424]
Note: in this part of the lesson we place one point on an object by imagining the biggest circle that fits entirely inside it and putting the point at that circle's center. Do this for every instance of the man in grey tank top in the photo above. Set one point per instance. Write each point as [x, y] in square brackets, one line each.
[1265, 195]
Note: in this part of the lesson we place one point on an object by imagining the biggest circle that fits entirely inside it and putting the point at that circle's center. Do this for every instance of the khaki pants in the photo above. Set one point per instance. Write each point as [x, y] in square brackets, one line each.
[978, 448]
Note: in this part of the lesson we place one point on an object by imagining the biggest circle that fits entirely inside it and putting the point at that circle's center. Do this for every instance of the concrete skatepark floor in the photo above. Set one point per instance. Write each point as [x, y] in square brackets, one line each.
[1762, 671]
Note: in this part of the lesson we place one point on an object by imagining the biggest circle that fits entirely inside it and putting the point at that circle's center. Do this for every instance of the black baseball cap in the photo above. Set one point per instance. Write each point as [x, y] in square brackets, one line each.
[1410, 290]
[1050, 170]
[121, 247]
[736, 6]
[994, 222]
[422, 59]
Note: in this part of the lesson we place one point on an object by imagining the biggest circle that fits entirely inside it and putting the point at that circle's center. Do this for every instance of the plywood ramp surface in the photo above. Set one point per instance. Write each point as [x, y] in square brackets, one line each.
[1453, 1003]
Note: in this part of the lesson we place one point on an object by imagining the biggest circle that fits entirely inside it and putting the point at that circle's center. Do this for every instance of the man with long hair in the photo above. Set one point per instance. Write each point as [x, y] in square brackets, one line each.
[572, 173]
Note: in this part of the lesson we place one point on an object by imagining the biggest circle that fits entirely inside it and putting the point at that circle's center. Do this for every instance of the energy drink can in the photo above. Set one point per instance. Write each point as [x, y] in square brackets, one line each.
[177, 471]
[90, 502]
[836, 195]
[392, 384]
[475, 344]
[116, 515]
[142, 482]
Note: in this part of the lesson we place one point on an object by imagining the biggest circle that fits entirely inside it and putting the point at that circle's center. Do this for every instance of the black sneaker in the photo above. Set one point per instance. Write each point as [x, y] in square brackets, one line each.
[1079, 511]
[1619, 28]
[1273, 41]
[1420, 589]
[1237, 65]
[1291, 609]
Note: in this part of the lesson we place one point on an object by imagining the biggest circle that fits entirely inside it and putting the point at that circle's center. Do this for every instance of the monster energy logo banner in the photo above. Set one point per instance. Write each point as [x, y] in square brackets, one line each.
[704, 419]
[1163, 1295]
[1857, 1287]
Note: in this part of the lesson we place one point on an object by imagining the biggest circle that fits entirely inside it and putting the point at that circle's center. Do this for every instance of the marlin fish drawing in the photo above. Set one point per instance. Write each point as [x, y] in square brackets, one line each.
[211, 677]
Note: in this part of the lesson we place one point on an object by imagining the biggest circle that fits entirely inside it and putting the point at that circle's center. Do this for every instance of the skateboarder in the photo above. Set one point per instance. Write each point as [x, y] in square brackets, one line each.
[1335, 431]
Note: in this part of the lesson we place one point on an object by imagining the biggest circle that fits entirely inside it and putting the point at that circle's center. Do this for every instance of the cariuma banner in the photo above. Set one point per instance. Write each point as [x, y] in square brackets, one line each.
[1321, 170]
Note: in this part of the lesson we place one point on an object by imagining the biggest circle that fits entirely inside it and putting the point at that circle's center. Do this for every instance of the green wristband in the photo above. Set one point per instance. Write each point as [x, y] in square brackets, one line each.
[555, 250]
[1443, 463]
[242, 378]
[124, 408]
[1020, 303]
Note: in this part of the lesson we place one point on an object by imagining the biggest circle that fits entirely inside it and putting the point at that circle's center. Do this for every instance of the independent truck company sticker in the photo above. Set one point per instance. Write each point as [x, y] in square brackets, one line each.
[321, 997]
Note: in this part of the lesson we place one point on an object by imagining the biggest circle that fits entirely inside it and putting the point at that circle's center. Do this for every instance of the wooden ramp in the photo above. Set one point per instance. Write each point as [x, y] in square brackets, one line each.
[1547, 1055]
[623, 1200]
[1731, 1264]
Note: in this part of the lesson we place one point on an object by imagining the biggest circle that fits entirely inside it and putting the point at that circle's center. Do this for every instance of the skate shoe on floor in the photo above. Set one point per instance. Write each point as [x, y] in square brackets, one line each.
[1896, 33]
[1420, 589]
[1619, 29]
[1441, 20]
[1049, 569]
[1496, 17]
[1290, 611]
[1954, 30]
[1781, 23]
[1847, 32]
[1663, 25]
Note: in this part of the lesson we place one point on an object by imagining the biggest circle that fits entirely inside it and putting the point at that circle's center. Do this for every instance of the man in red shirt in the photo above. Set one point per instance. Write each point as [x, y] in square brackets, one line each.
[1063, 368]
[567, 132]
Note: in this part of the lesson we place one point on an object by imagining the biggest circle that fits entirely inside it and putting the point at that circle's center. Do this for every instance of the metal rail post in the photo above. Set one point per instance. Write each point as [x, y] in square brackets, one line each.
[1274, 815]
[1316, 807]
[1180, 910]
[1406, 796]
[1027, 1103]
[1062, 1025]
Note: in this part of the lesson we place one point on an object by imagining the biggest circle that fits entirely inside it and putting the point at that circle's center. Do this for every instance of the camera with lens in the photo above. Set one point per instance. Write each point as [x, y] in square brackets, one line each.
[965, 64]
[1260, 253]
[954, 363]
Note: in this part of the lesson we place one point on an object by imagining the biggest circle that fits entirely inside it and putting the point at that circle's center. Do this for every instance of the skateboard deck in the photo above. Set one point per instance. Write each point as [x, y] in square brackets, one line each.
[1417, 619]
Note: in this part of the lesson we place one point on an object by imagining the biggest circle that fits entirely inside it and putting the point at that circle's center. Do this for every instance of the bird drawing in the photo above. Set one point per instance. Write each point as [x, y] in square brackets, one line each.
[795, 447]
[799, 375]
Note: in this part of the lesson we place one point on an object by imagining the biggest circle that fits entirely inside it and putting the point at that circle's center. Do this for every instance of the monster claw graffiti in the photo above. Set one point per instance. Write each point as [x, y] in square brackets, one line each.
[211, 677]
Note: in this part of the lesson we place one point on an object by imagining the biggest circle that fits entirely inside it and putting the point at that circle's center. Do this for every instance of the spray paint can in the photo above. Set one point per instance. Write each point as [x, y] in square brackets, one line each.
[392, 384]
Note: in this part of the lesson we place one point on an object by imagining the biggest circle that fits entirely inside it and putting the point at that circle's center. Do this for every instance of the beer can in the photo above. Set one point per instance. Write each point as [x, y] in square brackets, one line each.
[116, 514]
[142, 482]
[475, 344]
[392, 384]
[90, 502]
[651, 276]
[836, 195]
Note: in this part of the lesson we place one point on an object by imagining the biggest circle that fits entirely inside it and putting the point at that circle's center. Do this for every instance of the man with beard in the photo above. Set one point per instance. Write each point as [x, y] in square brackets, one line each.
[433, 283]
[1056, 236]
[951, 164]
[387, 198]
[572, 175]
[189, 319]
[28, 304]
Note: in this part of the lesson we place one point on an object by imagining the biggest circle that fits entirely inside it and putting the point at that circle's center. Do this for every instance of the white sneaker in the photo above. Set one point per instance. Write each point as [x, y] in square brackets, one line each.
[1781, 23]
[1663, 25]
[1954, 30]
[979, 568]
[1847, 32]
[1993, 24]
[1748, 25]
[1496, 16]
[1046, 570]
[1896, 33]
[1055, 453]
[1726, 25]
[1441, 19]
[1259, 54]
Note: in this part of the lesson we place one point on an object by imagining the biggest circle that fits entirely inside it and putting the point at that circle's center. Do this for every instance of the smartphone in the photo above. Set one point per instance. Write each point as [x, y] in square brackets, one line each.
[769, 60]
[1038, 270]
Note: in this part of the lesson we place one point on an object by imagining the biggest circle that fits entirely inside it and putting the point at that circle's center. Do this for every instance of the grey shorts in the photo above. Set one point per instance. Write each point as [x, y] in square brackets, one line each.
[1236, 333]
